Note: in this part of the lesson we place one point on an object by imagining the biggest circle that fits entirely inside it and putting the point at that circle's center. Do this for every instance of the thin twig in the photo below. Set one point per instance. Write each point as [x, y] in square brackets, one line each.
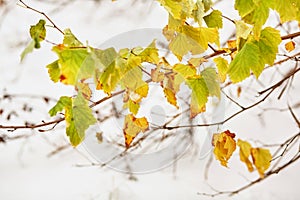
[41, 13]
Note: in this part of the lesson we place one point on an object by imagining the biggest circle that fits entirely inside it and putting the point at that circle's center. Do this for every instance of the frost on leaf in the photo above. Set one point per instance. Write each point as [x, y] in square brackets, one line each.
[225, 145]
[132, 127]
[78, 117]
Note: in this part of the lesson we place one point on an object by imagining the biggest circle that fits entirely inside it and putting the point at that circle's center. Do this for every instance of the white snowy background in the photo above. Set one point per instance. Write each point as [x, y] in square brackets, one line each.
[28, 172]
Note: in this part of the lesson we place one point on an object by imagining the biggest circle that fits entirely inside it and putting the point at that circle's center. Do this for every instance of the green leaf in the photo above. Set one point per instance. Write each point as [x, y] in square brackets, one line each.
[109, 78]
[78, 116]
[214, 19]
[78, 120]
[70, 61]
[38, 33]
[268, 44]
[254, 55]
[60, 105]
[211, 79]
[254, 12]
[247, 58]
[28, 49]
[288, 10]
[199, 94]
[244, 7]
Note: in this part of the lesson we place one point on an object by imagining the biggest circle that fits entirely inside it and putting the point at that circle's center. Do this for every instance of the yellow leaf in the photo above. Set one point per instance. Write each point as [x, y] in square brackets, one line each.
[222, 66]
[132, 127]
[171, 85]
[261, 159]
[171, 97]
[245, 151]
[197, 61]
[231, 44]
[290, 46]
[225, 145]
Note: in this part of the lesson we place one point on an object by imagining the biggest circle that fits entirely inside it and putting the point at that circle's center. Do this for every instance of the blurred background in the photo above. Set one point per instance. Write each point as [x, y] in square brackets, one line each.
[42, 165]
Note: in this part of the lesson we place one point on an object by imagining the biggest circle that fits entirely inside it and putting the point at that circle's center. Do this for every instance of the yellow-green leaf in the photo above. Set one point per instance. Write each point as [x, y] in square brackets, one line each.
[199, 94]
[246, 59]
[37, 34]
[70, 40]
[78, 116]
[288, 10]
[242, 29]
[222, 65]
[54, 71]
[214, 19]
[184, 70]
[210, 77]
[268, 45]
[70, 61]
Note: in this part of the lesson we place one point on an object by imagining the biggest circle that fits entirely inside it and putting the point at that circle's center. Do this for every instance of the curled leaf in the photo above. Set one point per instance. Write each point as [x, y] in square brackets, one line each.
[225, 145]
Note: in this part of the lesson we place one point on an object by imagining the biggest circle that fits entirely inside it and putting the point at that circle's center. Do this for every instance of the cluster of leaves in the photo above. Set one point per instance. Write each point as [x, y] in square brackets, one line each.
[193, 28]
[225, 145]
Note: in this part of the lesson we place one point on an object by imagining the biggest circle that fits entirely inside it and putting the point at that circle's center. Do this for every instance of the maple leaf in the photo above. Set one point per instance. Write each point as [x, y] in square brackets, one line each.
[78, 117]
[132, 127]
[261, 159]
[225, 145]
